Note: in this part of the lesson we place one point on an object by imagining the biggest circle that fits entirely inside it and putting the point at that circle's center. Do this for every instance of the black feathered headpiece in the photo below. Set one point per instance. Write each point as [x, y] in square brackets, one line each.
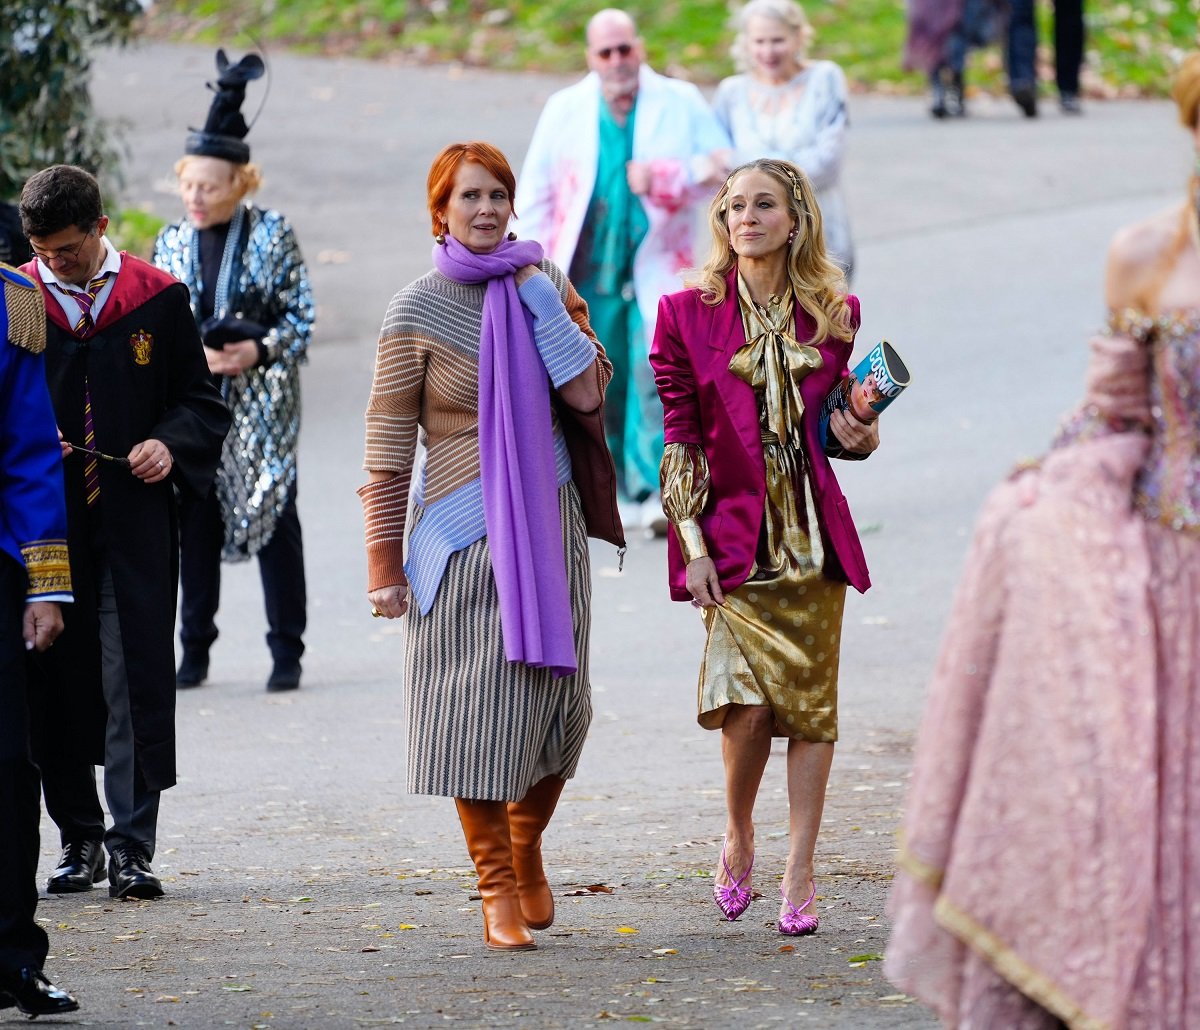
[224, 132]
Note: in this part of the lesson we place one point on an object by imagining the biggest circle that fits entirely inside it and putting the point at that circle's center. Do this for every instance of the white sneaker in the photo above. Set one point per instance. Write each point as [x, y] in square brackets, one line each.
[654, 522]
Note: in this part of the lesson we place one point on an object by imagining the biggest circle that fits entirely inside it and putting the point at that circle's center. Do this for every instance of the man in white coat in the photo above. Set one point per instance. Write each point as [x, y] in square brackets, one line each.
[613, 174]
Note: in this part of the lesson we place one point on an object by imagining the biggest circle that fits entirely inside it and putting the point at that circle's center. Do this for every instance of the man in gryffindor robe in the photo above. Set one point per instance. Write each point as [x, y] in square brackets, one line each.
[140, 418]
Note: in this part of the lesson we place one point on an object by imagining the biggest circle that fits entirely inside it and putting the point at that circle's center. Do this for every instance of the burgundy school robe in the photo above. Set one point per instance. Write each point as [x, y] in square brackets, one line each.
[148, 379]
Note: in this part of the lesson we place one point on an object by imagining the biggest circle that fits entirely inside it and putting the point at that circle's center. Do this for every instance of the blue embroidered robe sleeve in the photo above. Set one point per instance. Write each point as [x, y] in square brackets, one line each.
[33, 515]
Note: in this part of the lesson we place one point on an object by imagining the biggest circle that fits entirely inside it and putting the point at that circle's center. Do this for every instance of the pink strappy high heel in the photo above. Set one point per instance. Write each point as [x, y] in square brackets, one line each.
[794, 922]
[733, 899]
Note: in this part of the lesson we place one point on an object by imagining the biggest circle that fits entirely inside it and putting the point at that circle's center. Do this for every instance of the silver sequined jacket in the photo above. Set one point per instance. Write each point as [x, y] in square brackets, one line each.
[263, 279]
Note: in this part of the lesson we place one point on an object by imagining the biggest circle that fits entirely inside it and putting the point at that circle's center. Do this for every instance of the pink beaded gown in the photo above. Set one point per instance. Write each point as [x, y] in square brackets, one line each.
[1050, 863]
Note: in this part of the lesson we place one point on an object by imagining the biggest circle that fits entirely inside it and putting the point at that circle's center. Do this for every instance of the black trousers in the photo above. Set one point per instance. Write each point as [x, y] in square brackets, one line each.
[69, 784]
[22, 941]
[280, 566]
[1068, 44]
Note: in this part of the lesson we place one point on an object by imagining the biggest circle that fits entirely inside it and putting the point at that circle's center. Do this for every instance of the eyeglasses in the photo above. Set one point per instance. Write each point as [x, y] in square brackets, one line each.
[50, 255]
[621, 50]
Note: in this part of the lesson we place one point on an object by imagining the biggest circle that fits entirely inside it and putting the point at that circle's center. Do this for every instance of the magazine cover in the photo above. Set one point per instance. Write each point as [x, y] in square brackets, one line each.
[870, 387]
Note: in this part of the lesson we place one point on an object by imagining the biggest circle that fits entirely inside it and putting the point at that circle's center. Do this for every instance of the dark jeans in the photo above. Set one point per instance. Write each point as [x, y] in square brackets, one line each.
[280, 565]
[973, 30]
[1068, 44]
[22, 941]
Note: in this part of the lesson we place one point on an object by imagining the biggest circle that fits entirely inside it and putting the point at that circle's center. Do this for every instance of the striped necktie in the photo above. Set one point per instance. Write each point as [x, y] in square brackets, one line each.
[84, 325]
[91, 464]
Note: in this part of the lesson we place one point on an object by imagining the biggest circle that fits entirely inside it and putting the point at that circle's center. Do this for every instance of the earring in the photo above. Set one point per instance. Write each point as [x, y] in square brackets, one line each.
[792, 236]
[512, 236]
[440, 239]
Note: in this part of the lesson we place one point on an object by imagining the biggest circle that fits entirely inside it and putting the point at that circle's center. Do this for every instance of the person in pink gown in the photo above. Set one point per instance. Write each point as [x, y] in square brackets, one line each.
[1050, 866]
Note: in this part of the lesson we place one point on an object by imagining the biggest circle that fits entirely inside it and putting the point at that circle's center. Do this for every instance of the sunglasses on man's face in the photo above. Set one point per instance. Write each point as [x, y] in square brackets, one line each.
[621, 50]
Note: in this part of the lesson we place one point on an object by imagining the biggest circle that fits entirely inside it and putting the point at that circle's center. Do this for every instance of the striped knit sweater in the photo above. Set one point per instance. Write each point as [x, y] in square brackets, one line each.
[427, 379]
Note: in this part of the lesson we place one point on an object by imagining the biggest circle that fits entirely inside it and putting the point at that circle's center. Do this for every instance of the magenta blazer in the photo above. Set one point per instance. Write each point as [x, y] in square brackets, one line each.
[706, 404]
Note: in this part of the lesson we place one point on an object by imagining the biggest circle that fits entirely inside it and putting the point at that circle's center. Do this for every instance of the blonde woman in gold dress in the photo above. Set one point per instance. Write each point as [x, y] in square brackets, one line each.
[763, 540]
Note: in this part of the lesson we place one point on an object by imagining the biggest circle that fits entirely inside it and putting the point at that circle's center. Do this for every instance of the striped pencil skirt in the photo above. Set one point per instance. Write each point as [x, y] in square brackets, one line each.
[480, 726]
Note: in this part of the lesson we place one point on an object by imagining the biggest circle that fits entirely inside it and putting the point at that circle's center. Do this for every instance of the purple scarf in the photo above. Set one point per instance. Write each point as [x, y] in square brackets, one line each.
[516, 461]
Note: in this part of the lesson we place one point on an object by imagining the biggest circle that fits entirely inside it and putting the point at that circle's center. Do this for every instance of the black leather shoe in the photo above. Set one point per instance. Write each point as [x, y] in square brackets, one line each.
[193, 670]
[285, 675]
[1026, 96]
[30, 991]
[130, 875]
[79, 866]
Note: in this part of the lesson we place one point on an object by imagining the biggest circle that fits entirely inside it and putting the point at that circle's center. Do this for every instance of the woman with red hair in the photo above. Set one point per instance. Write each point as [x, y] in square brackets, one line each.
[491, 357]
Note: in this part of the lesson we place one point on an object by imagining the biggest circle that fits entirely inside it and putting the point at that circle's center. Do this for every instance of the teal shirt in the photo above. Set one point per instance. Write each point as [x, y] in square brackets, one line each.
[616, 222]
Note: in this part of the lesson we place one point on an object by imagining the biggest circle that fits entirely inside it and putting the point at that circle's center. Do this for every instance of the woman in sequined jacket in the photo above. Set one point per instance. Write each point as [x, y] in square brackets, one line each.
[252, 299]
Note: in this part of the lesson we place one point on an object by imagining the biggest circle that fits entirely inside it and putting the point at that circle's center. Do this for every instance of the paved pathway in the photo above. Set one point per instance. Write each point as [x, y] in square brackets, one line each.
[306, 889]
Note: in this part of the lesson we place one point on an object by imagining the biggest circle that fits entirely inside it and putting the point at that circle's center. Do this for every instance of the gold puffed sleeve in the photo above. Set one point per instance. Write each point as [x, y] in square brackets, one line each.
[683, 479]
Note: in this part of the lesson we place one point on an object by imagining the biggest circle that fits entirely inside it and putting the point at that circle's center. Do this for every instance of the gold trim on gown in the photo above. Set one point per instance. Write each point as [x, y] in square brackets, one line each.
[776, 639]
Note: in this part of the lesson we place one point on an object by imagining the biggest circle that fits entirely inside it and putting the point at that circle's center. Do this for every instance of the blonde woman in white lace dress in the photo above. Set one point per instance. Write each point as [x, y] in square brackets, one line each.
[785, 105]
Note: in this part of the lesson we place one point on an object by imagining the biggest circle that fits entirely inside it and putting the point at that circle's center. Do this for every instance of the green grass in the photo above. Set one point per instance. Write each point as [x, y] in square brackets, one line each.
[1132, 45]
[134, 230]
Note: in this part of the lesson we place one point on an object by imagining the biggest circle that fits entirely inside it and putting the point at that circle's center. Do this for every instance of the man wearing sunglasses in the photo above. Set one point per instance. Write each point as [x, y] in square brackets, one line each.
[128, 380]
[613, 174]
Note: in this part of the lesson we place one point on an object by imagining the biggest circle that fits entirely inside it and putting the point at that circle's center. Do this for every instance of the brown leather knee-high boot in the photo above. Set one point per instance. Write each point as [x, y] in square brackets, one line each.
[527, 819]
[485, 826]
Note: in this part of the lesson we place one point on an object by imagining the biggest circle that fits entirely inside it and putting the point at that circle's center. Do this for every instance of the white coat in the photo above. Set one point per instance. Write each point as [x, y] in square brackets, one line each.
[675, 131]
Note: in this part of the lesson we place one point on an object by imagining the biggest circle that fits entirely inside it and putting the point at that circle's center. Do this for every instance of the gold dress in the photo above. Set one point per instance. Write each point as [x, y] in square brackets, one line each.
[776, 639]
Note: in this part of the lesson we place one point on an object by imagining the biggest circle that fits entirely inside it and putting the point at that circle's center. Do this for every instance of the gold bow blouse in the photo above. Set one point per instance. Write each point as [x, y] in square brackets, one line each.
[774, 362]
